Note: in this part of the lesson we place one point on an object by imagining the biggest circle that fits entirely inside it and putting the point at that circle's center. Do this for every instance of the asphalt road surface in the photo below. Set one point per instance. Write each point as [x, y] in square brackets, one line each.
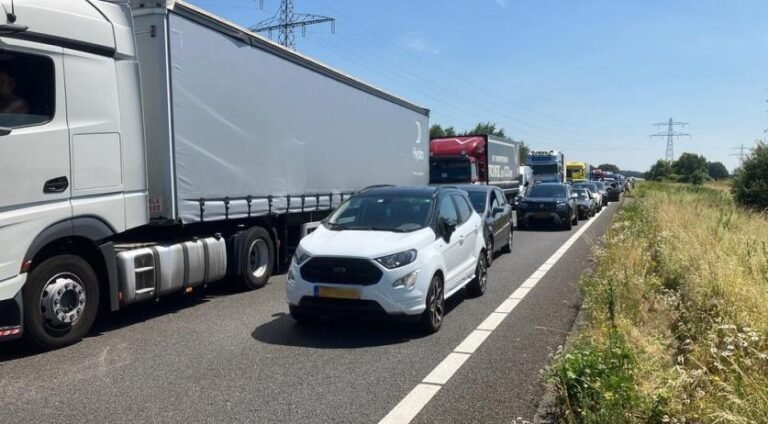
[226, 356]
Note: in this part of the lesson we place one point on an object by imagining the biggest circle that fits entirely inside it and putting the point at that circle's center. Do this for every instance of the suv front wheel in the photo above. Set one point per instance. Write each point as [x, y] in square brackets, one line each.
[432, 318]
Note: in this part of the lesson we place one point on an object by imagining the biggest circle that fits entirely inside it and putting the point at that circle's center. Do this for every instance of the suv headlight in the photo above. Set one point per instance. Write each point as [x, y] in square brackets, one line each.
[300, 256]
[398, 259]
[562, 205]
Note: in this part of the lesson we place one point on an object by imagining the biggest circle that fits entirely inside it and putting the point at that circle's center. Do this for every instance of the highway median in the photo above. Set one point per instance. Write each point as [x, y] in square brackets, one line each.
[675, 324]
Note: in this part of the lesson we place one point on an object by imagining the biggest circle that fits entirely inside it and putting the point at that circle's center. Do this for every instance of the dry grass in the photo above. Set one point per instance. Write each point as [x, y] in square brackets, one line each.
[683, 282]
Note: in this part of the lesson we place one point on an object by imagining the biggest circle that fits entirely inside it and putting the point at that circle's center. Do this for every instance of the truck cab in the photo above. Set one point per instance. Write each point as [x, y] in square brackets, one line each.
[71, 144]
[453, 170]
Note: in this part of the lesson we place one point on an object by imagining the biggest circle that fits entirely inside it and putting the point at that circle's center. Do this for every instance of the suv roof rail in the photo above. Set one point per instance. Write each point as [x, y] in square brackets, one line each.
[371, 187]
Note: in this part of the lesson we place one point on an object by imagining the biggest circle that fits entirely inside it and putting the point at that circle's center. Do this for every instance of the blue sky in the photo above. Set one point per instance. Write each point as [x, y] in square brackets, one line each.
[585, 77]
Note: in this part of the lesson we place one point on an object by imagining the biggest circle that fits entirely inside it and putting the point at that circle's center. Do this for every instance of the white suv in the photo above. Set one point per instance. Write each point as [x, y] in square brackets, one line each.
[390, 251]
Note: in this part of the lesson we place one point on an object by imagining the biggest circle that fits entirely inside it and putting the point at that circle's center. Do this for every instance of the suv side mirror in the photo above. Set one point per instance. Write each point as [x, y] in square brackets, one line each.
[497, 210]
[446, 229]
[574, 196]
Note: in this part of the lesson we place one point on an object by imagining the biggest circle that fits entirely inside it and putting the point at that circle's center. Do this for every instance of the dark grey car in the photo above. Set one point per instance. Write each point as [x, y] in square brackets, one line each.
[491, 204]
[550, 202]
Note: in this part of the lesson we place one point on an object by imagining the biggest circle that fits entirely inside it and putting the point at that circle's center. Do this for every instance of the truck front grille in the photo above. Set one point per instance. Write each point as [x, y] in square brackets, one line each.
[341, 271]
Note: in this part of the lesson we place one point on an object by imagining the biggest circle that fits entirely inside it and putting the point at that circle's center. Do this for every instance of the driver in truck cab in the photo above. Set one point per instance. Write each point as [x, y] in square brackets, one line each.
[9, 101]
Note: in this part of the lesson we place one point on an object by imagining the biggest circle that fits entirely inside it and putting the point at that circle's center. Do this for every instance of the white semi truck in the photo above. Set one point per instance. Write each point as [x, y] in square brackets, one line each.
[149, 147]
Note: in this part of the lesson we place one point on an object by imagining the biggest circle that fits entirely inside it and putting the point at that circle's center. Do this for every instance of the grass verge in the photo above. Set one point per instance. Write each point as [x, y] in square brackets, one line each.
[676, 315]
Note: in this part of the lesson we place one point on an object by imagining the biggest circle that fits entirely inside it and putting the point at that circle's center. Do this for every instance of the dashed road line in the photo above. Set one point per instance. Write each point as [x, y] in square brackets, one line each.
[405, 411]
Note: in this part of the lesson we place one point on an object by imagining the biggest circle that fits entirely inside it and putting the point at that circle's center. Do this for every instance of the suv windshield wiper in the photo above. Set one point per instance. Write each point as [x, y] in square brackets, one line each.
[333, 226]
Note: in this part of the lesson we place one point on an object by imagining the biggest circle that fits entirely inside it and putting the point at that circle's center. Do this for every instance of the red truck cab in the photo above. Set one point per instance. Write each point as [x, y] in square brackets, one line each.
[458, 160]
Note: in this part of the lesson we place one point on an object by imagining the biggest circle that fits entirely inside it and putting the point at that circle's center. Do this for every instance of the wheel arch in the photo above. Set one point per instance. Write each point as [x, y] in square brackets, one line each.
[86, 237]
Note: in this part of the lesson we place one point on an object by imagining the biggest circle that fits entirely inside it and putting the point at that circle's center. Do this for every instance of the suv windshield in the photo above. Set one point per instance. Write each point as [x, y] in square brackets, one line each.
[548, 191]
[384, 212]
[477, 198]
[446, 171]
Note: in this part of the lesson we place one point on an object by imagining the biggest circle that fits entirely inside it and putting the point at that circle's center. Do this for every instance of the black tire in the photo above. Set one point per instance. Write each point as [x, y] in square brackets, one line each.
[575, 220]
[568, 224]
[70, 283]
[299, 315]
[489, 254]
[477, 286]
[256, 259]
[507, 248]
[432, 318]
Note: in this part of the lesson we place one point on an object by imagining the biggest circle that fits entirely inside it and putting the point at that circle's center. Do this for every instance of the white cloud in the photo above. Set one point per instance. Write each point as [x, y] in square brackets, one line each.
[502, 3]
[417, 43]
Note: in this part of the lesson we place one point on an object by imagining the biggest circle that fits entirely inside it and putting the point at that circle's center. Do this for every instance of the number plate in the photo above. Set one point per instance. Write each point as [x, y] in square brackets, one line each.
[337, 293]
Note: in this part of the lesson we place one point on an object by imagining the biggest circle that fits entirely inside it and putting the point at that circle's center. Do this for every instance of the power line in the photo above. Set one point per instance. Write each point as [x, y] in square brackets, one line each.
[286, 21]
[671, 134]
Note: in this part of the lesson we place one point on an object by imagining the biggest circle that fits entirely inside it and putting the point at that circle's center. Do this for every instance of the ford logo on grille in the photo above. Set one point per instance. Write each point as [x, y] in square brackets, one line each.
[339, 269]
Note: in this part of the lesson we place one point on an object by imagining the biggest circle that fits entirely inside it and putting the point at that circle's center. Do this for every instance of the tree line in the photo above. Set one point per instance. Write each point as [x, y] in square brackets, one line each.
[688, 168]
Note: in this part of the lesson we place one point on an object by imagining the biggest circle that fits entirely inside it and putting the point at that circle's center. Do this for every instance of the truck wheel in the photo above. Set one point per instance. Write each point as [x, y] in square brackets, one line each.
[61, 300]
[257, 258]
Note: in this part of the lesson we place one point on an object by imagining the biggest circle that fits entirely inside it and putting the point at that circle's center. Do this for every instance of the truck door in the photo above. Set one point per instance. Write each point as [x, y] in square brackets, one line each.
[94, 123]
[34, 147]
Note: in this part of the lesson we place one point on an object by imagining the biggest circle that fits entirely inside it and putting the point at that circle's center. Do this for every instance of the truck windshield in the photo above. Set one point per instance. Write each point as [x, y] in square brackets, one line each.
[388, 212]
[544, 169]
[449, 171]
[547, 191]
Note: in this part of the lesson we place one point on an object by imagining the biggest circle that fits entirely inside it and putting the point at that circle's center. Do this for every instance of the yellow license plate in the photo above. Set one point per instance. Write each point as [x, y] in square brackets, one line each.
[337, 293]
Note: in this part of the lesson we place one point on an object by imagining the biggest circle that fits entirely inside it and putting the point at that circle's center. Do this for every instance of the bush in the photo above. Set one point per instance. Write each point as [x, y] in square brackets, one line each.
[750, 187]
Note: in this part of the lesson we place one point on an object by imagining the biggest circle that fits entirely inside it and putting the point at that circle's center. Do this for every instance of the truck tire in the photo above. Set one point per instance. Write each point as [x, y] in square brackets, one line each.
[256, 259]
[61, 300]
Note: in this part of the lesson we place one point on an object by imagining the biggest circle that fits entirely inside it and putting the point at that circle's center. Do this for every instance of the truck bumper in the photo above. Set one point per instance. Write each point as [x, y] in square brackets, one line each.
[11, 308]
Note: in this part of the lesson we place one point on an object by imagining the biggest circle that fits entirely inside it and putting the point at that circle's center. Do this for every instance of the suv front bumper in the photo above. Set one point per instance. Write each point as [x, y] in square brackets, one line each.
[380, 299]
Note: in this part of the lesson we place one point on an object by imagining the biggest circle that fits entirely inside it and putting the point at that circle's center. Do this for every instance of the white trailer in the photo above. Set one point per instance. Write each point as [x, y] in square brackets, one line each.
[152, 147]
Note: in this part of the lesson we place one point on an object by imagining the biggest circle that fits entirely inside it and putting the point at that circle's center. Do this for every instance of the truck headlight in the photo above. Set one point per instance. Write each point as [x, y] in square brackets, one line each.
[300, 256]
[408, 282]
[398, 259]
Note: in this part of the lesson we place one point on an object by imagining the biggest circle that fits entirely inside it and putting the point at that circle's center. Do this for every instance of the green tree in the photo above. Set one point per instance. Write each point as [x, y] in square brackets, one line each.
[717, 170]
[487, 128]
[608, 167]
[660, 171]
[436, 131]
[750, 187]
[524, 149]
[691, 168]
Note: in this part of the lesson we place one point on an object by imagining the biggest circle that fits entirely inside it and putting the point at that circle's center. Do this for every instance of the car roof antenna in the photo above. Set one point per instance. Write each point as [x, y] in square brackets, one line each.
[11, 16]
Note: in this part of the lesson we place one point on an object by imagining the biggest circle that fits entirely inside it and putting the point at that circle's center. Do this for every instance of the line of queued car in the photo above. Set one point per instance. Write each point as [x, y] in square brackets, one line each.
[400, 252]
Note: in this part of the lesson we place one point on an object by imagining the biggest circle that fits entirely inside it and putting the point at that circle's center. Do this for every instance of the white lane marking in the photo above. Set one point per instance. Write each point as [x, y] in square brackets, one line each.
[493, 321]
[507, 306]
[407, 409]
[443, 372]
[417, 399]
[473, 340]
